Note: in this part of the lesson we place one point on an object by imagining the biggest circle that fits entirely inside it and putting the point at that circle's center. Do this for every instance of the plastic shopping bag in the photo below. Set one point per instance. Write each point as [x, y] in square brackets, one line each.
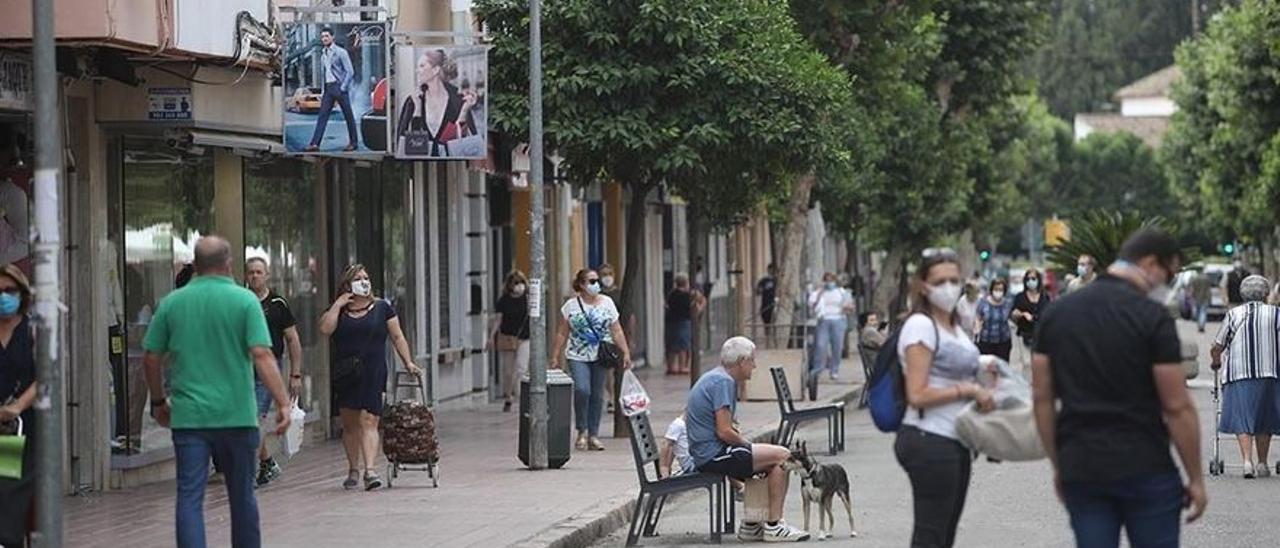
[11, 449]
[634, 399]
[294, 434]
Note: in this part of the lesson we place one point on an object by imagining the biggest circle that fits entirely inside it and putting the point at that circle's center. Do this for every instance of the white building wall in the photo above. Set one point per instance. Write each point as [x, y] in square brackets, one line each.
[1147, 106]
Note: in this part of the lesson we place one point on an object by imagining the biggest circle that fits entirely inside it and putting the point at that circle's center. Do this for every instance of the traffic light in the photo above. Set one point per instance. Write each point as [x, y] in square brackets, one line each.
[985, 255]
[1229, 249]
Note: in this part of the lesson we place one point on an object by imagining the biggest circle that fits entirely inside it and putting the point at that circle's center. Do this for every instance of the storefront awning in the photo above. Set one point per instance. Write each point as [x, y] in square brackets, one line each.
[235, 140]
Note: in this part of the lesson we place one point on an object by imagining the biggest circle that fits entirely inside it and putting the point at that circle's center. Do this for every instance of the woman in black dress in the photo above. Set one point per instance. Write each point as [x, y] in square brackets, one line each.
[17, 393]
[359, 325]
[1027, 308]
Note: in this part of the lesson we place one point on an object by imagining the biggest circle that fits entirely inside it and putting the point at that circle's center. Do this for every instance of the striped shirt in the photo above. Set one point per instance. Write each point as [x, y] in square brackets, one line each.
[1250, 337]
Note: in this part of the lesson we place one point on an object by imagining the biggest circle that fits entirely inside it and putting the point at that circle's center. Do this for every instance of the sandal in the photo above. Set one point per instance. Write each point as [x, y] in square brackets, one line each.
[371, 481]
[581, 445]
[353, 479]
[595, 445]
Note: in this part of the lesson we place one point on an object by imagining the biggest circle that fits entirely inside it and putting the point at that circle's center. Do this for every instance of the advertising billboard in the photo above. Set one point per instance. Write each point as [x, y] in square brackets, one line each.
[335, 88]
[441, 102]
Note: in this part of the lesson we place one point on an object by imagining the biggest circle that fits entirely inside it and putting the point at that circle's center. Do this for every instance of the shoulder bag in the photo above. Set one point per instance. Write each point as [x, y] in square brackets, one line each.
[349, 370]
[609, 355]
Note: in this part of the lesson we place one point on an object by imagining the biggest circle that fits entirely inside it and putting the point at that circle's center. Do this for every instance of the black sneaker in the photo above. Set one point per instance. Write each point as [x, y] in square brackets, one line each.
[268, 471]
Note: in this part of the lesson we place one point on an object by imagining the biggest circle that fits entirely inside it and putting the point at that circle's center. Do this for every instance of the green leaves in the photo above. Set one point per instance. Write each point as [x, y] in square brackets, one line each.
[720, 100]
[1222, 154]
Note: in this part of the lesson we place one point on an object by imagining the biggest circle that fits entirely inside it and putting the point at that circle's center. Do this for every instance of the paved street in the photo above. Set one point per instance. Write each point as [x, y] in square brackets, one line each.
[485, 499]
[1008, 504]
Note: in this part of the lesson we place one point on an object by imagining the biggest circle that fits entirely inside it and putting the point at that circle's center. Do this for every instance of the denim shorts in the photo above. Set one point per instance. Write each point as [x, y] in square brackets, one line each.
[263, 396]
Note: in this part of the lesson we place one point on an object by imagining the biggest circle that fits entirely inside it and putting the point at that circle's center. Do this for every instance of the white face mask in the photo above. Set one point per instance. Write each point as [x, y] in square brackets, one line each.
[1033, 284]
[998, 294]
[607, 281]
[517, 290]
[1082, 270]
[945, 296]
[361, 288]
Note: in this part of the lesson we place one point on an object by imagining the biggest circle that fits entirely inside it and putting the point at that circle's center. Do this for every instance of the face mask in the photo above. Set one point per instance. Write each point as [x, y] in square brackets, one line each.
[829, 285]
[9, 304]
[945, 296]
[361, 288]
[1033, 284]
[997, 294]
[1082, 270]
[606, 281]
[593, 288]
[517, 290]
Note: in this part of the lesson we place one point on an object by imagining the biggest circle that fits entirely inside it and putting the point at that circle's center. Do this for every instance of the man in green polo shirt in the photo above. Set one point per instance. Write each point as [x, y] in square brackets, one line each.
[214, 335]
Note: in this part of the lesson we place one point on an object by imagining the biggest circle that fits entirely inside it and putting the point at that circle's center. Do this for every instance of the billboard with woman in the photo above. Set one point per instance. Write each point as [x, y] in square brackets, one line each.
[442, 112]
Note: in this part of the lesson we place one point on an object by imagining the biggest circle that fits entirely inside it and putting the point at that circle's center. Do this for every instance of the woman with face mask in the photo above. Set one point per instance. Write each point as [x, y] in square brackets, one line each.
[510, 332]
[359, 324]
[1027, 309]
[17, 394]
[587, 319]
[831, 305]
[991, 330]
[941, 368]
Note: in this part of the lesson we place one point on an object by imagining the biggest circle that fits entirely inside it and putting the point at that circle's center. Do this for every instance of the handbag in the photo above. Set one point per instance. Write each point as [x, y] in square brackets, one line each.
[11, 449]
[1008, 432]
[608, 354]
[508, 343]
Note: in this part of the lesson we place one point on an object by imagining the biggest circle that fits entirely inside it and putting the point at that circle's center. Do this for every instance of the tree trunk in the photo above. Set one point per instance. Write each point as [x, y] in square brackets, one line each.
[967, 249]
[632, 284]
[694, 226]
[887, 297]
[789, 282]
[1269, 266]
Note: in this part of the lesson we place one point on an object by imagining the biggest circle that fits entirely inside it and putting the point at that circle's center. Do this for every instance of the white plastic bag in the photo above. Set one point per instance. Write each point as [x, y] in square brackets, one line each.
[1008, 432]
[634, 399]
[292, 441]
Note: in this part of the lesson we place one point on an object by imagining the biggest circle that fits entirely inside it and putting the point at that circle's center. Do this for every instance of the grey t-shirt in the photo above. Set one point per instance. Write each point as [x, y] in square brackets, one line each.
[714, 391]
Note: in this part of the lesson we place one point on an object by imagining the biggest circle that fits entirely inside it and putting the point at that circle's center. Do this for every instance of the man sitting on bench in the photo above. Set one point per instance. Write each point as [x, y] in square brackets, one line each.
[718, 448]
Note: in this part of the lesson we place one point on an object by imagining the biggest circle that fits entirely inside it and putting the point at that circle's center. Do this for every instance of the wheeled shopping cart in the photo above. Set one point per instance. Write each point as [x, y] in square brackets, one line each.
[409, 432]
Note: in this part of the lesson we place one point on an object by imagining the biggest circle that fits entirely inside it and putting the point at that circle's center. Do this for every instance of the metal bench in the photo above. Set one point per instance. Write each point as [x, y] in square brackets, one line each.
[654, 493]
[792, 418]
[868, 356]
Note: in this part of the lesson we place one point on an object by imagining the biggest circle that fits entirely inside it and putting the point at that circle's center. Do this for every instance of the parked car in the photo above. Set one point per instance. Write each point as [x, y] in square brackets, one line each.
[304, 100]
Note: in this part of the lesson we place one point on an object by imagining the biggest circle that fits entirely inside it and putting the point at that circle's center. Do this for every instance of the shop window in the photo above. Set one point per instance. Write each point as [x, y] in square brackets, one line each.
[165, 203]
[281, 213]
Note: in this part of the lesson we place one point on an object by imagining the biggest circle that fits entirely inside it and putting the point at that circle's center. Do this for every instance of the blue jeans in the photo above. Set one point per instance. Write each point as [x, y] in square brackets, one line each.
[588, 395]
[1148, 507]
[234, 451]
[1202, 314]
[828, 345]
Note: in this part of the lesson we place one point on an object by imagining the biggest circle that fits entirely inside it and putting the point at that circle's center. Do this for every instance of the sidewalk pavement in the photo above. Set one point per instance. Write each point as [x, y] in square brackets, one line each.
[486, 497]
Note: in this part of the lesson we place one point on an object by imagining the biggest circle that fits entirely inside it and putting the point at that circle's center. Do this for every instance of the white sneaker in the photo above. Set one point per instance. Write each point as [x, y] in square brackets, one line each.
[784, 533]
[1249, 470]
[750, 532]
[1263, 470]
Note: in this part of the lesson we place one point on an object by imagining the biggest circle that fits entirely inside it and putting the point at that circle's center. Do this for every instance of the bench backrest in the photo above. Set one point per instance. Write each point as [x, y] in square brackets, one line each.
[783, 390]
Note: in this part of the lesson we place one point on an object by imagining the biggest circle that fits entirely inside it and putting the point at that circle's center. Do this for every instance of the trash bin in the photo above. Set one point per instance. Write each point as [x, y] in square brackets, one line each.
[560, 413]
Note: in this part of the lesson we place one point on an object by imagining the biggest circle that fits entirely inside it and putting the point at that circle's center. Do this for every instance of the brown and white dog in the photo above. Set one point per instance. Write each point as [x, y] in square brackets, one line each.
[820, 483]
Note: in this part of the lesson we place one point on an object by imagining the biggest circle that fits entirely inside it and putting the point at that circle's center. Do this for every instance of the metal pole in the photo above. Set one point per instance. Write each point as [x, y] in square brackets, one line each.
[537, 321]
[46, 247]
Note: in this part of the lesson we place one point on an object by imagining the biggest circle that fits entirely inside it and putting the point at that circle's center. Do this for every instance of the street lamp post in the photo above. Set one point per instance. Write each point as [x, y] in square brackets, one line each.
[537, 321]
[47, 246]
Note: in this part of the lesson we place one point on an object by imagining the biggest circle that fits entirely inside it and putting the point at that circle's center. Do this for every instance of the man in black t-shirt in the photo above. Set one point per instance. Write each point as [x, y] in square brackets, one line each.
[284, 332]
[1109, 354]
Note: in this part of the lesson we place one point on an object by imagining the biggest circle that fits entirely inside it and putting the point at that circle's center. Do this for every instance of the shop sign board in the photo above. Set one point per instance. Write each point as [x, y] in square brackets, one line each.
[169, 104]
[16, 92]
[441, 108]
